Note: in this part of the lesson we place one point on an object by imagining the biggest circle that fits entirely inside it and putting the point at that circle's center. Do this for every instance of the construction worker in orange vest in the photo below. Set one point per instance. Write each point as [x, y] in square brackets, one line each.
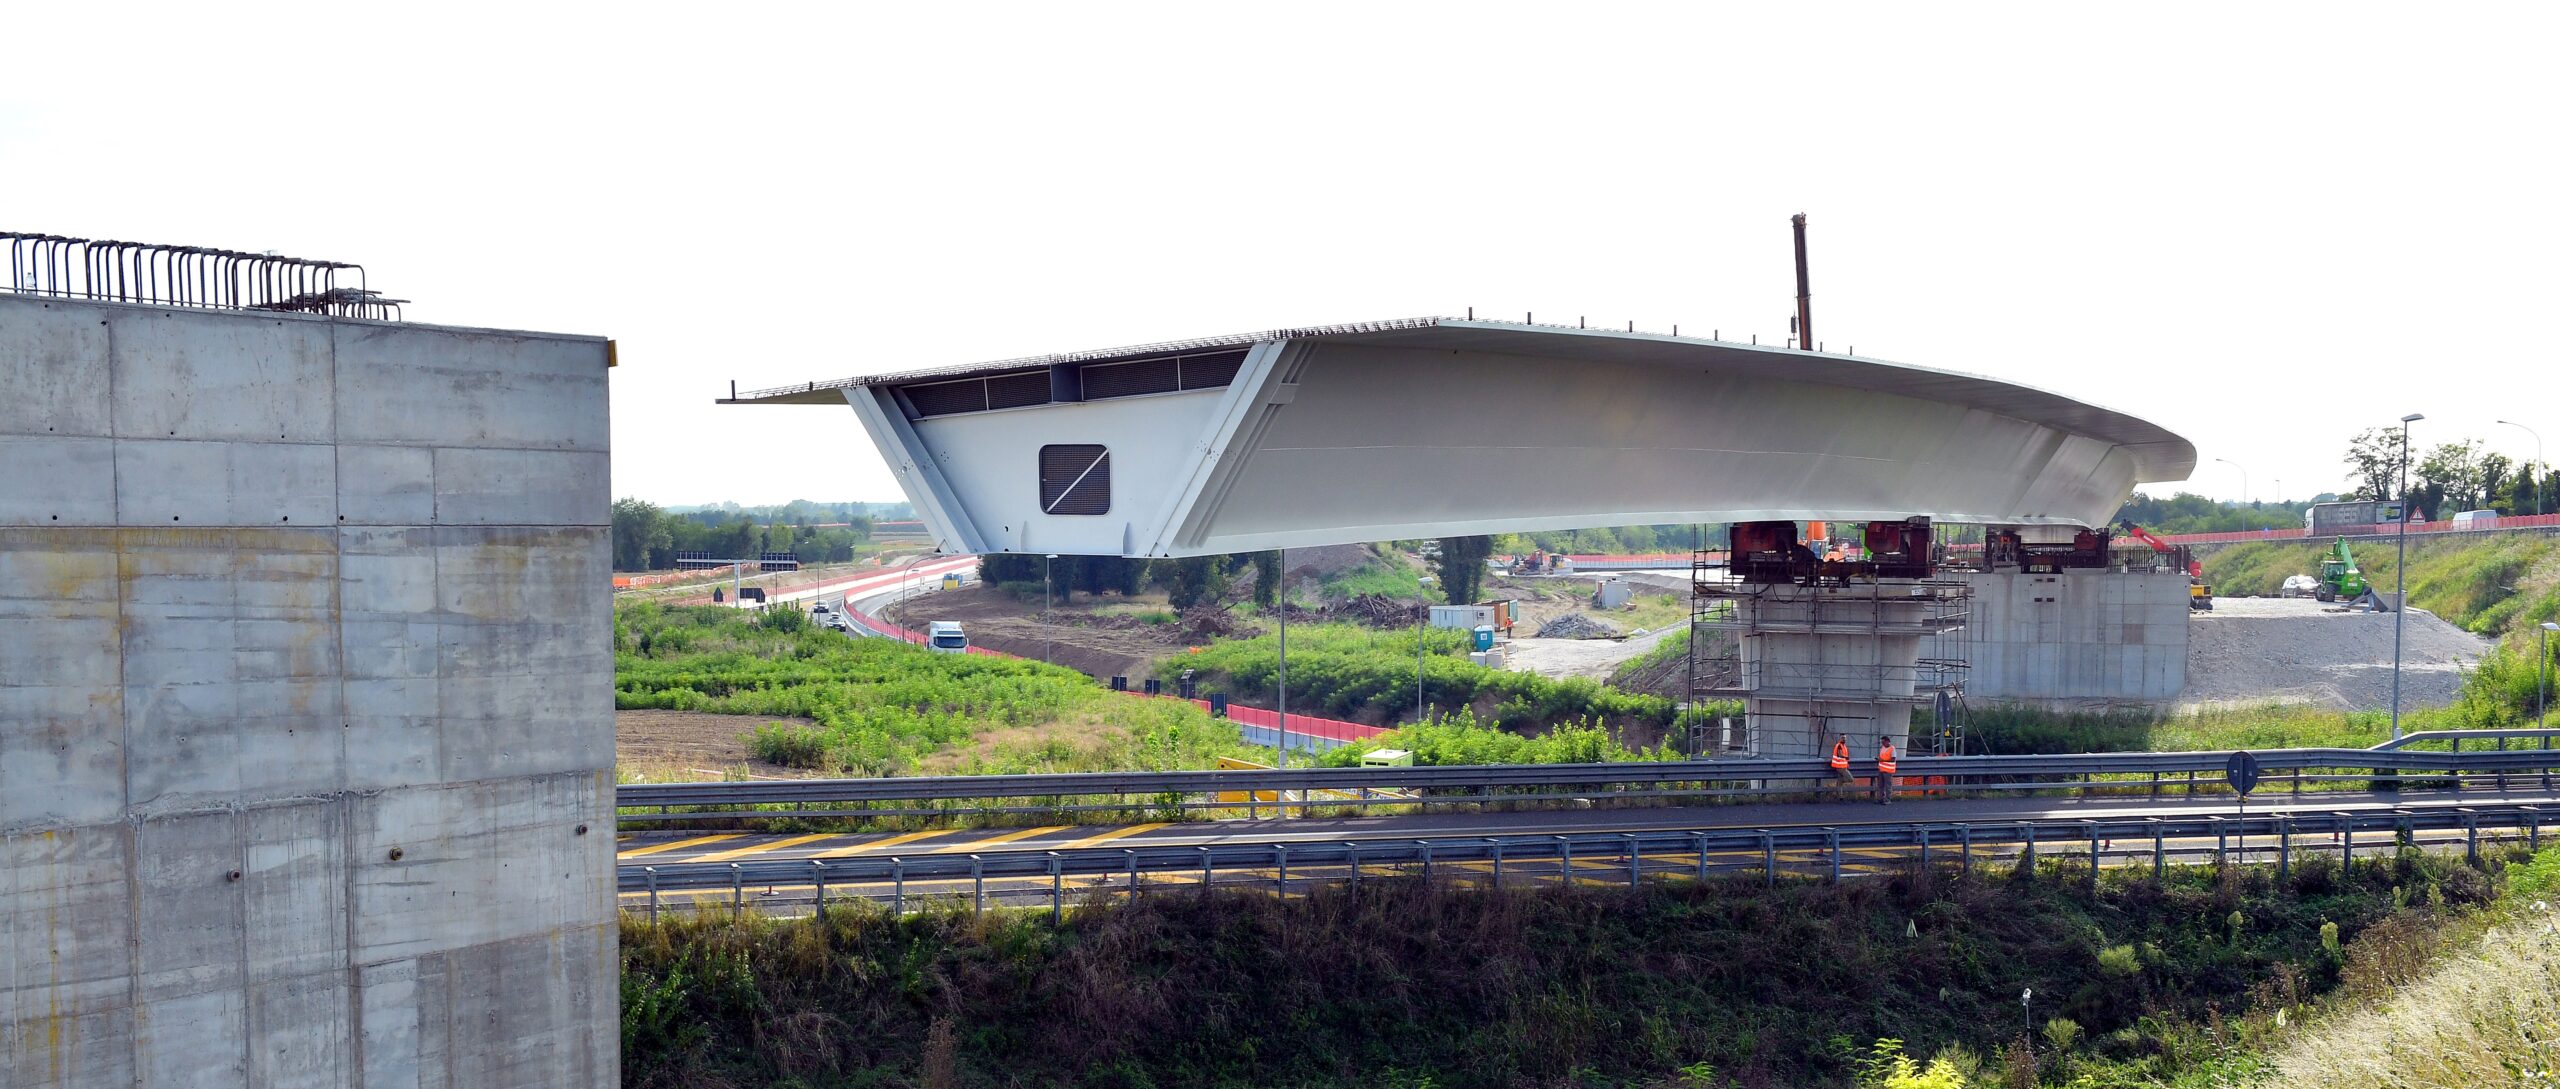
[1840, 762]
[1884, 770]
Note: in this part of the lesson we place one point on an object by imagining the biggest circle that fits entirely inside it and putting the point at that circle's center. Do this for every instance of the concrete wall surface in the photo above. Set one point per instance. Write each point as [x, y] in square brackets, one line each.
[2081, 638]
[306, 733]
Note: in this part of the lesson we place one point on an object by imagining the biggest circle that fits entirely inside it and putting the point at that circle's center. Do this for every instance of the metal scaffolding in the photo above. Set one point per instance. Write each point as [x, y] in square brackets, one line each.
[1831, 679]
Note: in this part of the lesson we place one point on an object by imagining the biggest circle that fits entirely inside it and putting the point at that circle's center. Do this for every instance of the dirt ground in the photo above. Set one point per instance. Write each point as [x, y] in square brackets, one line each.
[1097, 644]
[2296, 650]
[693, 745]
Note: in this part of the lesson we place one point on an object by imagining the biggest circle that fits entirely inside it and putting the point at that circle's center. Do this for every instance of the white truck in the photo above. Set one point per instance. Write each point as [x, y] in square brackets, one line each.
[947, 637]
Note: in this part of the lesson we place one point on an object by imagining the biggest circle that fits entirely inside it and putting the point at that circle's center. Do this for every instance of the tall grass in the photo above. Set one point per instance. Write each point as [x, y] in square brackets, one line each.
[1403, 983]
[2486, 1015]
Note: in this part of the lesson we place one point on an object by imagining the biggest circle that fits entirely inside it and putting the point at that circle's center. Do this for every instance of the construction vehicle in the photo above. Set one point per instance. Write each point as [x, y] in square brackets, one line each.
[2199, 595]
[2342, 580]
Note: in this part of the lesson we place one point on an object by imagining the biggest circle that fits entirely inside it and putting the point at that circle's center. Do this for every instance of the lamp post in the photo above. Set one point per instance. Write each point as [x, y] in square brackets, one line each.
[1417, 648]
[1048, 624]
[2244, 482]
[2539, 485]
[2400, 572]
[2542, 676]
[1282, 599]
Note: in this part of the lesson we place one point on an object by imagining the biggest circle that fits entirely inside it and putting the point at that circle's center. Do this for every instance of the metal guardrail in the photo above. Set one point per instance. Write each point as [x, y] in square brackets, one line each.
[1474, 784]
[1765, 851]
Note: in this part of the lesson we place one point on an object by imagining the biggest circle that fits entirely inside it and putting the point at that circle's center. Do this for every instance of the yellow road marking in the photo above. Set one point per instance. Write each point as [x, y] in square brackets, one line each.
[695, 842]
[978, 844]
[761, 848]
[1113, 834]
[876, 844]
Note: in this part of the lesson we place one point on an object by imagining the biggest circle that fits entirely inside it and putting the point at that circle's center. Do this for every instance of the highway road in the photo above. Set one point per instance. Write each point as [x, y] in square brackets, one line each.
[677, 849]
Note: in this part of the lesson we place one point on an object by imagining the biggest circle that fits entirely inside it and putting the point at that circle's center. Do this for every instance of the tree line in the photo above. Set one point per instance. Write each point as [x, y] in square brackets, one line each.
[647, 537]
[2450, 477]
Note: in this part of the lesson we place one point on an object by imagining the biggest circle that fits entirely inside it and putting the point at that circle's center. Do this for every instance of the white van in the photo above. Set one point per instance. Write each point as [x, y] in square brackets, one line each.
[946, 636]
[2476, 519]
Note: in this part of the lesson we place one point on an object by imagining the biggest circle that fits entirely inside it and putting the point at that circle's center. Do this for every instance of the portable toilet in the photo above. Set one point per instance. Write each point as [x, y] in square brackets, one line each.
[1484, 637]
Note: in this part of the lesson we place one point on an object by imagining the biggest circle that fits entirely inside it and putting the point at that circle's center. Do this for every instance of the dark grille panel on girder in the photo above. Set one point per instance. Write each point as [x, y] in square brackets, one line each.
[1210, 371]
[1018, 390]
[945, 398]
[1132, 379]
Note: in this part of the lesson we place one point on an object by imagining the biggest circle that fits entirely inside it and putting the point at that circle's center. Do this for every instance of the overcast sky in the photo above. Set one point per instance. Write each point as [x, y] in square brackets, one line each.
[2263, 227]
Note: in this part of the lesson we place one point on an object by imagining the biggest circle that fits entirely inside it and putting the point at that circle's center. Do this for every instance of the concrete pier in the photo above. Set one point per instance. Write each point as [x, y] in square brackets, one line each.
[2077, 639]
[306, 725]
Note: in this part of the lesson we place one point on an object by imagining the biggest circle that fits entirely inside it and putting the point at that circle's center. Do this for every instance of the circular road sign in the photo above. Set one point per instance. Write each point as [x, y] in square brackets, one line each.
[2243, 772]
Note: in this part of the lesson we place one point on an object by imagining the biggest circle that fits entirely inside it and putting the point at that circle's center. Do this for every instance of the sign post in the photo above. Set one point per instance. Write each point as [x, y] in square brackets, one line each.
[2242, 771]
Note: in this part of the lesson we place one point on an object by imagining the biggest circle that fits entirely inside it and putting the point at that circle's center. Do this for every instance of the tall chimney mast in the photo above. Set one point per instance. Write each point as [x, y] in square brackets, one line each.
[1804, 292]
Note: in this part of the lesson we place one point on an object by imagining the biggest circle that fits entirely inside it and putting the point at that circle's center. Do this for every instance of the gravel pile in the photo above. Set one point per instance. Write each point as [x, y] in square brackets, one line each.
[2255, 650]
[1579, 626]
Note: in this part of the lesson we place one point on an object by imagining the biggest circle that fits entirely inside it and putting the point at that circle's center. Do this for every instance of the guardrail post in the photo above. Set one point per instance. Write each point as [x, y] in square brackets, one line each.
[818, 876]
[1352, 852]
[2502, 768]
[2284, 844]
[2470, 835]
[1564, 861]
[977, 885]
[1426, 860]
[1635, 861]
[1701, 837]
[1205, 876]
[2221, 841]
[898, 887]
[1057, 891]
[2347, 843]
[1831, 837]
[1497, 864]
[1769, 857]
[652, 871]
[2093, 860]
[737, 887]
[2159, 847]
[1964, 860]
[2031, 848]
[2533, 826]
[1132, 857]
[1281, 851]
[2155, 785]
[2297, 782]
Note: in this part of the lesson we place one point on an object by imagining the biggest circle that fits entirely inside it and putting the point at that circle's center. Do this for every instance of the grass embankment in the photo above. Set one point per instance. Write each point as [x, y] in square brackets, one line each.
[883, 707]
[2485, 1015]
[2183, 981]
[1350, 672]
[2493, 584]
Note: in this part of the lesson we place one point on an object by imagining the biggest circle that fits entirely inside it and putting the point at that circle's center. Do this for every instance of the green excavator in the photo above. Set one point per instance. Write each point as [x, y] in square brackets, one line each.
[2342, 580]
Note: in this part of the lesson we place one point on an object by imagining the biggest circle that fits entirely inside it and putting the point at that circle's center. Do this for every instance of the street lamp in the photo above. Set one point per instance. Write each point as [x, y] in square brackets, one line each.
[2542, 679]
[1048, 624]
[1417, 648]
[2400, 573]
[2540, 484]
[1282, 599]
[2244, 482]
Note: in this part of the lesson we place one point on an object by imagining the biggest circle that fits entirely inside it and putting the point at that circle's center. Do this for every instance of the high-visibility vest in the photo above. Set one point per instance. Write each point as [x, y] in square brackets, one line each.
[1884, 757]
[1840, 755]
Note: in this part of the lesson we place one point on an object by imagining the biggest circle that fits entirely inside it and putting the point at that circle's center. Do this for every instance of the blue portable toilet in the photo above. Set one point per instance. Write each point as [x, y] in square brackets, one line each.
[1484, 637]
